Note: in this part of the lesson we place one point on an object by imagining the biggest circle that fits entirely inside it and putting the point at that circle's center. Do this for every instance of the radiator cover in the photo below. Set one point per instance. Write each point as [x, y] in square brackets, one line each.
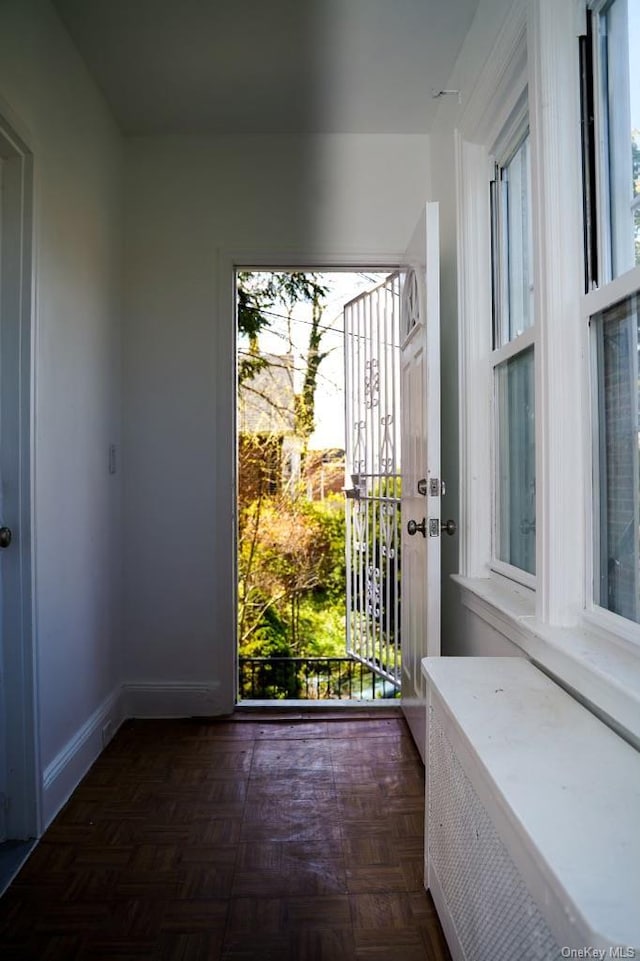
[484, 897]
[533, 845]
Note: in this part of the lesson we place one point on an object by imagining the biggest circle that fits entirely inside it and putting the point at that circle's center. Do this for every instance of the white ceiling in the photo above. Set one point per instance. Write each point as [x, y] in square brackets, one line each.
[261, 66]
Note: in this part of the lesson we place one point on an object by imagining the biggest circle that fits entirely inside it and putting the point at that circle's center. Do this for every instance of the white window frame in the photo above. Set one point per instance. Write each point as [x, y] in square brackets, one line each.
[611, 234]
[490, 122]
[584, 649]
[536, 51]
[594, 302]
[609, 291]
[511, 137]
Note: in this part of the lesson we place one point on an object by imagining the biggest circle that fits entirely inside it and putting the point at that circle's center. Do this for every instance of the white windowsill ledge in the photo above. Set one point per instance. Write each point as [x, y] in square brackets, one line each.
[603, 671]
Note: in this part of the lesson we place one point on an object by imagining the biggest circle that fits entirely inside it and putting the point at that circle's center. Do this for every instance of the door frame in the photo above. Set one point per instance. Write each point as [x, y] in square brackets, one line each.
[17, 640]
[229, 261]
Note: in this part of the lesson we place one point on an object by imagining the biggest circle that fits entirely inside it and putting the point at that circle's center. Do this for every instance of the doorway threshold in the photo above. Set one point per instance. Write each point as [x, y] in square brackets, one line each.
[294, 709]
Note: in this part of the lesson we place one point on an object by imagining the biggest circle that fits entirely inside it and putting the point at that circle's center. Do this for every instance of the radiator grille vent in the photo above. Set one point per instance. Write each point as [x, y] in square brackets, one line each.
[487, 900]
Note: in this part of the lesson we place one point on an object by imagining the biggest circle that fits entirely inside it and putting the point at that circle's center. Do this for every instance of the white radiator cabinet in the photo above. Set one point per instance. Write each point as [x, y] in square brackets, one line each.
[532, 842]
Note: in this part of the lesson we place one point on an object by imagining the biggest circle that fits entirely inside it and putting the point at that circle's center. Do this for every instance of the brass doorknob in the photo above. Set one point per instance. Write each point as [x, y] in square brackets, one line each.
[5, 536]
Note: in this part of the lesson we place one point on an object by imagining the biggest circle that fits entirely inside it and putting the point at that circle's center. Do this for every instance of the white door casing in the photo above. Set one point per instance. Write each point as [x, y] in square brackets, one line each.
[421, 481]
[18, 728]
[3, 724]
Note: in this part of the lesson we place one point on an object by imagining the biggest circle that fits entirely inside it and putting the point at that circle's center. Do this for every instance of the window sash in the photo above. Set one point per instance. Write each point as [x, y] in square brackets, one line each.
[514, 543]
[499, 357]
[612, 609]
[597, 304]
[608, 167]
[513, 335]
[512, 243]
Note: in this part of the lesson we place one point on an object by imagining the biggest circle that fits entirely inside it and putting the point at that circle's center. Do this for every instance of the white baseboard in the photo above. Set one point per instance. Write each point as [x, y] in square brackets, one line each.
[61, 777]
[145, 699]
[173, 699]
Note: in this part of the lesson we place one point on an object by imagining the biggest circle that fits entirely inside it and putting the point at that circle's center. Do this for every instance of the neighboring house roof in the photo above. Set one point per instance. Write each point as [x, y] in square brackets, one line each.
[266, 403]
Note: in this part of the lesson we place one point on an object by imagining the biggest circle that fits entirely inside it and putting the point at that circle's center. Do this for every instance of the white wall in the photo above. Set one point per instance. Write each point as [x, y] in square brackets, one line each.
[463, 633]
[188, 200]
[46, 91]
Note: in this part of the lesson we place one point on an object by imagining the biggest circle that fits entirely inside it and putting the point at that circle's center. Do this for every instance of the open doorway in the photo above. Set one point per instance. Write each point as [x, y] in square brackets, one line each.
[318, 470]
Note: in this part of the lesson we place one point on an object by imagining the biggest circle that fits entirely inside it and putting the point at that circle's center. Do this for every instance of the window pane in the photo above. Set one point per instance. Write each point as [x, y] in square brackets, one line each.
[520, 244]
[617, 587]
[513, 273]
[620, 32]
[516, 456]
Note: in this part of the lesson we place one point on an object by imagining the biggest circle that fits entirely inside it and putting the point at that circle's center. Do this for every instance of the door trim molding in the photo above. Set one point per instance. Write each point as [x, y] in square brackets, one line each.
[229, 260]
[24, 817]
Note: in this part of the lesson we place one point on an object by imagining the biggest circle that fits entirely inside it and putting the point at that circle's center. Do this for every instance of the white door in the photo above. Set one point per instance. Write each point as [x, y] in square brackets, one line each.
[421, 481]
[3, 749]
[18, 767]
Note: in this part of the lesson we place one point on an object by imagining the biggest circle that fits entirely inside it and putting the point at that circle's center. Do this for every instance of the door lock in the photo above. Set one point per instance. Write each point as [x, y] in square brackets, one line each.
[434, 487]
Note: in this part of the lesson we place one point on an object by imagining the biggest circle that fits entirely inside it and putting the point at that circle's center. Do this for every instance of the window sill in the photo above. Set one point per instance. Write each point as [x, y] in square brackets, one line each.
[598, 668]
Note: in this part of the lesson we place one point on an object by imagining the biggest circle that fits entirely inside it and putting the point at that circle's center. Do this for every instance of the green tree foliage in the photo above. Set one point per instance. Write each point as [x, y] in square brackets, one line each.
[252, 304]
[291, 577]
[290, 557]
[262, 298]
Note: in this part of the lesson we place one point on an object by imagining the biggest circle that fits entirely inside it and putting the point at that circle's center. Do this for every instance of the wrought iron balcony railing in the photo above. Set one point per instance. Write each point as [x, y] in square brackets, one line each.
[310, 678]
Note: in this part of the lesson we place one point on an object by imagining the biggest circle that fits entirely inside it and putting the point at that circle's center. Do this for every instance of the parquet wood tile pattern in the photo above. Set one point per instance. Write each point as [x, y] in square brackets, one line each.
[249, 838]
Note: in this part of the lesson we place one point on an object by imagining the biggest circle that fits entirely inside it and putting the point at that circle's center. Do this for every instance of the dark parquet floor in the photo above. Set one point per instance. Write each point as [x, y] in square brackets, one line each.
[251, 838]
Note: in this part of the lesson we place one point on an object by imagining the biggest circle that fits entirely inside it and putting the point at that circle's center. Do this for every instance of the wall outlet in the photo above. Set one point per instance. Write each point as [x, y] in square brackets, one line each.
[107, 732]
